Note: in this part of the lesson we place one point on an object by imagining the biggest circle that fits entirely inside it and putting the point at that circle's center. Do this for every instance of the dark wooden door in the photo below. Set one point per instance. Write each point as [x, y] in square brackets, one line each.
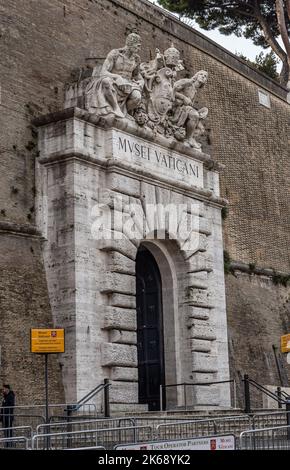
[149, 329]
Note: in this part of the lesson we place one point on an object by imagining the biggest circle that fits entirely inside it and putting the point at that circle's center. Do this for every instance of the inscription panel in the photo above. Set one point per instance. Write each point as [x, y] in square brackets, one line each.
[156, 159]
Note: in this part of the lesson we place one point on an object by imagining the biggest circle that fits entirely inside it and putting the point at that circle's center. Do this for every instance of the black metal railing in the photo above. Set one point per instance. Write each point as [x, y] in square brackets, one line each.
[279, 395]
[185, 385]
[104, 387]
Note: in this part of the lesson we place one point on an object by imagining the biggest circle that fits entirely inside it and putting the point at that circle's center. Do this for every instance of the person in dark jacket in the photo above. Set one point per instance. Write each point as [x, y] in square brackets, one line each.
[7, 412]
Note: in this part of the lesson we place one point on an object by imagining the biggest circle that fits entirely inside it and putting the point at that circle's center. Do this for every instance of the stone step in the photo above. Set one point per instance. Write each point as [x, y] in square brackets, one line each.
[121, 409]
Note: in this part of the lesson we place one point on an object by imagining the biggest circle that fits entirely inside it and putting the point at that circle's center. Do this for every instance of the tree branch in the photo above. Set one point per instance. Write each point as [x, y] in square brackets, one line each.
[282, 26]
[271, 40]
[288, 8]
[236, 5]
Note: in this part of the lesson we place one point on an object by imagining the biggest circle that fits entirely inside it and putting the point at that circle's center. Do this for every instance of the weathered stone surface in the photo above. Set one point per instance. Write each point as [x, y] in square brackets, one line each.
[124, 392]
[152, 159]
[119, 355]
[127, 374]
[123, 301]
[205, 226]
[203, 377]
[204, 362]
[117, 409]
[123, 184]
[206, 395]
[198, 313]
[125, 337]
[113, 199]
[123, 246]
[199, 297]
[200, 345]
[200, 262]
[202, 330]
[119, 263]
[119, 318]
[117, 282]
[198, 280]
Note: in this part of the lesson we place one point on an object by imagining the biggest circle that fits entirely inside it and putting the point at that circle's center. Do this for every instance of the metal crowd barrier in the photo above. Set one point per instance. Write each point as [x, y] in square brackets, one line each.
[272, 419]
[203, 427]
[12, 443]
[82, 425]
[75, 433]
[106, 437]
[276, 438]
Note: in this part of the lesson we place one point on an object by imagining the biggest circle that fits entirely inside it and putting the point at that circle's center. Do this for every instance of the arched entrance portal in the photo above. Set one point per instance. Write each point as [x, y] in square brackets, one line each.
[151, 371]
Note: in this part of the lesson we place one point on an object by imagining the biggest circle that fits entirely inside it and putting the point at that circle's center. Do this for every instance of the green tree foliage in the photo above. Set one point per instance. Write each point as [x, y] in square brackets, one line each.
[262, 21]
[266, 63]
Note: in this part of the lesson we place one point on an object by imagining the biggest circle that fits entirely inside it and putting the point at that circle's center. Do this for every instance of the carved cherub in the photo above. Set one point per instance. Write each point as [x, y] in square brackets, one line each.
[184, 112]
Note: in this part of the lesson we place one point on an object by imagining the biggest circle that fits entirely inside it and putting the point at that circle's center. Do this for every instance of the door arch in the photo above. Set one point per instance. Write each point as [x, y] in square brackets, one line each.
[150, 340]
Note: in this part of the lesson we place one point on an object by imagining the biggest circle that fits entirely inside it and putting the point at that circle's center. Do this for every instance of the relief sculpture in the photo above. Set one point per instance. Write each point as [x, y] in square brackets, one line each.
[150, 93]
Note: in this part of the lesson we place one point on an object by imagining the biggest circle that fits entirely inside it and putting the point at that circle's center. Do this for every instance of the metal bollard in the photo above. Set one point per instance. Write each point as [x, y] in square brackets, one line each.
[106, 398]
[247, 394]
[279, 396]
[288, 418]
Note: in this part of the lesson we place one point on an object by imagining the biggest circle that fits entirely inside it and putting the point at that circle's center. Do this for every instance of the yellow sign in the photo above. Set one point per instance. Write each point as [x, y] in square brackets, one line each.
[285, 343]
[47, 341]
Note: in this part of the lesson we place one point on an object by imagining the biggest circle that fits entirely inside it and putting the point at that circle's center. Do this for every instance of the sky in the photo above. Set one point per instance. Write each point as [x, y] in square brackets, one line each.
[232, 43]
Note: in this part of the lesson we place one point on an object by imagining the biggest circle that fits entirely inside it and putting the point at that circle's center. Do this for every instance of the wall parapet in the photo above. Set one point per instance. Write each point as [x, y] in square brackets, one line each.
[189, 35]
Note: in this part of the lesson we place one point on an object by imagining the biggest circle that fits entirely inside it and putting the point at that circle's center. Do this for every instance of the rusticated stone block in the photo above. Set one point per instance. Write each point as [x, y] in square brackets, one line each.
[206, 395]
[113, 199]
[198, 280]
[124, 337]
[116, 282]
[204, 226]
[127, 374]
[198, 297]
[118, 355]
[203, 362]
[200, 262]
[202, 330]
[198, 313]
[124, 185]
[203, 377]
[123, 301]
[119, 318]
[119, 263]
[121, 245]
[124, 392]
[200, 345]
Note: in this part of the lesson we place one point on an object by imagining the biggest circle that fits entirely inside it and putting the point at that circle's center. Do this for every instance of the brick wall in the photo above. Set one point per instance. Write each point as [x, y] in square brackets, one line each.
[258, 314]
[24, 304]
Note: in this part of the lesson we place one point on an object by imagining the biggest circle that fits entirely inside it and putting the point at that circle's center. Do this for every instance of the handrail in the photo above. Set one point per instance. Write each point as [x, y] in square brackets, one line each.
[185, 384]
[199, 383]
[285, 394]
[266, 391]
[89, 396]
[274, 395]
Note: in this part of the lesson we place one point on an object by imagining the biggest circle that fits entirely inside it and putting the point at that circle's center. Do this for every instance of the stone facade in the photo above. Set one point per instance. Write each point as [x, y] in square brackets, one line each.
[85, 166]
[65, 36]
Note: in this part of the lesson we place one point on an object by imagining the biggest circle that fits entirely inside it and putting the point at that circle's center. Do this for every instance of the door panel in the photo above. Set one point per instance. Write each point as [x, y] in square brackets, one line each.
[149, 329]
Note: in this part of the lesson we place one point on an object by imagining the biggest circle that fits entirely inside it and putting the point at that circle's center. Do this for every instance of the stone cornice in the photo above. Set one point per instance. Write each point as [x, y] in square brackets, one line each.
[252, 269]
[198, 193]
[23, 230]
[124, 168]
[129, 127]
